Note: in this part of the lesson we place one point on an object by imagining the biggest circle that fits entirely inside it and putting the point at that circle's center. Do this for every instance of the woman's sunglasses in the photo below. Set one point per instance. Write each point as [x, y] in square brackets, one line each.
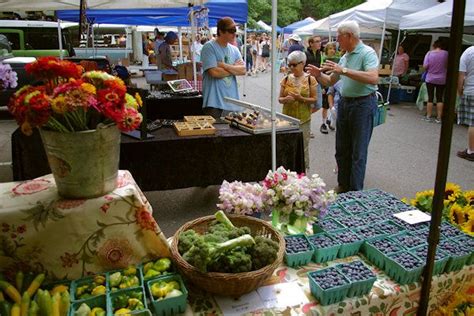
[294, 65]
[231, 31]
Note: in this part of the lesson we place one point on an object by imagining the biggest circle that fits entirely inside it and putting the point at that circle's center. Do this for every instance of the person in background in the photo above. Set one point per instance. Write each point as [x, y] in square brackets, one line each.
[254, 43]
[329, 120]
[265, 47]
[221, 63]
[247, 50]
[400, 64]
[466, 107]
[164, 59]
[435, 65]
[295, 40]
[158, 40]
[314, 57]
[358, 71]
[196, 49]
[297, 94]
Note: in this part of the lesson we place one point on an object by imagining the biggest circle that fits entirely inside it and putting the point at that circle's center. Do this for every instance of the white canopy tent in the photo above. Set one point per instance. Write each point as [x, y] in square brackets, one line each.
[91, 4]
[264, 26]
[438, 16]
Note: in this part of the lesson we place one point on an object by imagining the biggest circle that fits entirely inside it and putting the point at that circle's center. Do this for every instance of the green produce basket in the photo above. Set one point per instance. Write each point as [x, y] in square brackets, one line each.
[328, 296]
[84, 281]
[138, 274]
[172, 305]
[399, 240]
[377, 257]
[439, 264]
[359, 288]
[346, 249]
[114, 295]
[320, 227]
[321, 255]
[455, 263]
[171, 270]
[468, 241]
[301, 258]
[97, 301]
[353, 207]
[403, 276]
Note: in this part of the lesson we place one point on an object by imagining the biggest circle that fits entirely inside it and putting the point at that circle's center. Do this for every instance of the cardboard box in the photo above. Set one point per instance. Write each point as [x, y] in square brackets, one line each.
[185, 70]
[125, 62]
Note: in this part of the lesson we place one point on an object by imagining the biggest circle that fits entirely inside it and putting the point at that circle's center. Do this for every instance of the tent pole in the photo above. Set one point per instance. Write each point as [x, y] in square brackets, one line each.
[60, 39]
[383, 38]
[457, 27]
[393, 65]
[193, 39]
[274, 92]
[245, 58]
[180, 36]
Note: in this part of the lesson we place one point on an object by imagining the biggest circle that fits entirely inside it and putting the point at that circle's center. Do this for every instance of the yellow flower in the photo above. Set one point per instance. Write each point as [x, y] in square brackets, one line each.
[131, 102]
[87, 87]
[422, 194]
[59, 104]
[451, 189]
[469, 196]
[140, 101]
[456, 214]
[468, 227]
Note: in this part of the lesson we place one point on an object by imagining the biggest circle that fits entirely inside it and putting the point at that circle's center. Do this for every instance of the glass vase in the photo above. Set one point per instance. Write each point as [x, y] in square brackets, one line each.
[289, 223]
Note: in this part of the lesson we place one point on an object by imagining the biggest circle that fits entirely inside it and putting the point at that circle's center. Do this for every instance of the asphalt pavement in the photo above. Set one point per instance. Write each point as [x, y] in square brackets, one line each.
[402, 159]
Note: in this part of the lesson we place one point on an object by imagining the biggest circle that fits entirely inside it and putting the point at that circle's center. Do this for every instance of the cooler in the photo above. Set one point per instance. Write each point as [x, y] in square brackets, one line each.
[394, 93]
[408, 94]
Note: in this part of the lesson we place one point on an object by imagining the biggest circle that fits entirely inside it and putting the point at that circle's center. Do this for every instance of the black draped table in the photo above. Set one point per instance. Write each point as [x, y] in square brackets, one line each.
[168, 161]
[172, 107]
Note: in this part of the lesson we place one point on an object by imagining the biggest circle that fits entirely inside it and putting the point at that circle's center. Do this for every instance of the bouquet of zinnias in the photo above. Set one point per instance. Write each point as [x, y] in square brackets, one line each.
[8, 77]
[70, 100]
[289, 192]
[241, 198]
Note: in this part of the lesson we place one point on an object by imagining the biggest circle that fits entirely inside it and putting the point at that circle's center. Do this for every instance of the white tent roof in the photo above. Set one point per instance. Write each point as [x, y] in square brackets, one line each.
[91, 4]
[436, 17]
[264, 26]
[375, 12]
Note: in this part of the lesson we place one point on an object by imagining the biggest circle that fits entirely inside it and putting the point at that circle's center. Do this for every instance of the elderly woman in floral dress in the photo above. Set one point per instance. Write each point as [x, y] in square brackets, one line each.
[297, 93]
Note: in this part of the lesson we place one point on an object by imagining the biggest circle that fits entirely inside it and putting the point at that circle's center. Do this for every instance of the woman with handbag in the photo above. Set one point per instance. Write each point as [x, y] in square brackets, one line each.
[297, 94]
[435, 64]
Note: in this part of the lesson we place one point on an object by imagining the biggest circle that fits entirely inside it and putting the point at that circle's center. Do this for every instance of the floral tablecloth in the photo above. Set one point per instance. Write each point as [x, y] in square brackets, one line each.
[386, 297]
[40, 231]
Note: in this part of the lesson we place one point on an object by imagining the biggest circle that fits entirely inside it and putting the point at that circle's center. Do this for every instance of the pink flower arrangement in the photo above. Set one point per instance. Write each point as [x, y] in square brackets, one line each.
[8, 77]
[288, 192]
[241, 198]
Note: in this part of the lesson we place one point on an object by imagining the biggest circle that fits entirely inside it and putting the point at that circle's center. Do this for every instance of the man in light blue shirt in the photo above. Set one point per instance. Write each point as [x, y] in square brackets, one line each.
[358, 71]
[221, 62]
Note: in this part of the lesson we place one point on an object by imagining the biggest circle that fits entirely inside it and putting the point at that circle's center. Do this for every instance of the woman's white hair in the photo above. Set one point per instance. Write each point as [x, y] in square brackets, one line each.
[349, 27]
[297, 57]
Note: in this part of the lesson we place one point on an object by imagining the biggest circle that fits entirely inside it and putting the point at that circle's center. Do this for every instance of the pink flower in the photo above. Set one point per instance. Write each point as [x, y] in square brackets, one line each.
[129, 119]
[115, 253]
[68, 259]
[105, 207]
[21, 229]
[69, 204]
[31, 187]
[145, 219]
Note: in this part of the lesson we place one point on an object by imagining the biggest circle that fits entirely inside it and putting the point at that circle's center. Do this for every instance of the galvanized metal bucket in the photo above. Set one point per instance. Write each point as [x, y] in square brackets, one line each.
[84, 164]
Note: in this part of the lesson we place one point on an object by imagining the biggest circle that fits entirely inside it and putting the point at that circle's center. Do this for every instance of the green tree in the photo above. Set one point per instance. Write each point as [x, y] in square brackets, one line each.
[290, 11]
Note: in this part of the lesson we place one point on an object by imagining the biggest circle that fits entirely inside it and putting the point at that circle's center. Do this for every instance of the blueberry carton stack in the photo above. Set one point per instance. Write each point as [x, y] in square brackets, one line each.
[325, 247]
[361, 277]
[298, 250]
[328, 286]
[404, 267]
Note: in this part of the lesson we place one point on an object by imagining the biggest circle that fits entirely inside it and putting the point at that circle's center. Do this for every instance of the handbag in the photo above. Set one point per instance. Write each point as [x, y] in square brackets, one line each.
[423, 76]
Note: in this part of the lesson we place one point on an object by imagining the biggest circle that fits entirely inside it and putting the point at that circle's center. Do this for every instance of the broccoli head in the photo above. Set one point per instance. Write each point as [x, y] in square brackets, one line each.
[264, 252]
[204, 254]
[186, 240]
[234, 261]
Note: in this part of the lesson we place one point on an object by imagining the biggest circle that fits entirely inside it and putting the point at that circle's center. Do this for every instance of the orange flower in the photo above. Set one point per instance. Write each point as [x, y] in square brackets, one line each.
[145, 219]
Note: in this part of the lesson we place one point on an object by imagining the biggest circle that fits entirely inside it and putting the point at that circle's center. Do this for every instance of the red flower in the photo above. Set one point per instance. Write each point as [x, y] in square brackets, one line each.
[145, 219]
[21, 229]
[69, 204]
[31, 187]
[105, 207]
[69, 259]
[5, 227]
[130, 120]
[13, 236]
[115, 253]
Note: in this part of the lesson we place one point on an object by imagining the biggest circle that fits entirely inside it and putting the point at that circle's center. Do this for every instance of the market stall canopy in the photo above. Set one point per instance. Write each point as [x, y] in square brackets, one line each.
[236, 9]
[321, 28]
[296, 25]
[377, 12]
[438, 16]
[92, 4]
[267, 27]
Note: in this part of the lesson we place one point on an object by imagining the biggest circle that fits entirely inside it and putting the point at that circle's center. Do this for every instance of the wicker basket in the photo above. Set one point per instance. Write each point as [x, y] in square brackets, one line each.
[228, 284]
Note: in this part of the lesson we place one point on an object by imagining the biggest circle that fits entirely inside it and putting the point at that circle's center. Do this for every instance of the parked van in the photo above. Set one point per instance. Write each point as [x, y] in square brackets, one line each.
[36, 38]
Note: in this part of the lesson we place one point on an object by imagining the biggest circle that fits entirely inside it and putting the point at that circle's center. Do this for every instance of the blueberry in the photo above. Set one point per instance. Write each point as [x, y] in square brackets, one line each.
[328, 278]
[356, 271]
[346, 237]
[406, 260]
[321, 241]
[296, 244]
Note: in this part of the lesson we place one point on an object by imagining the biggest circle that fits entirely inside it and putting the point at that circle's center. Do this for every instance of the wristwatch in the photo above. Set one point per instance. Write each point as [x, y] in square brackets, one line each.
[344, 70]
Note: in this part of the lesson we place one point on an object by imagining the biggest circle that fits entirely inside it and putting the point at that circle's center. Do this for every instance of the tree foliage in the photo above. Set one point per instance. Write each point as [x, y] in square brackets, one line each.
[290, 11]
